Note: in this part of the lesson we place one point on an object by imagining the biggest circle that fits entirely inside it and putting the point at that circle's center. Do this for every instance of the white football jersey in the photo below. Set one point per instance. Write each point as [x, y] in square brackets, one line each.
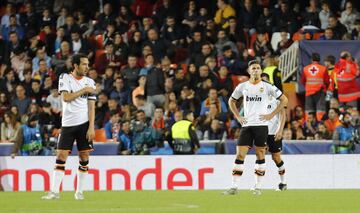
[75, 112]
[256, 100]
[274, 123]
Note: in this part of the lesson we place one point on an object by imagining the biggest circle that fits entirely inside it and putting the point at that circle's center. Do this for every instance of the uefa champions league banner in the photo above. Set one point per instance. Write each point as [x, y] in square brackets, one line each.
[180, 172]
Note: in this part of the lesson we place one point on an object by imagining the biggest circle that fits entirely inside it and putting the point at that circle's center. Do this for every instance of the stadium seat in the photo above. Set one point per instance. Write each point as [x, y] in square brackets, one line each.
[316, 36]
[100, 135]
[236, 79]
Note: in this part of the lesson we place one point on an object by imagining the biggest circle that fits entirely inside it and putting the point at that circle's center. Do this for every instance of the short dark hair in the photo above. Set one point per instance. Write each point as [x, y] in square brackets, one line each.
[77, 58]
[330, 58]
[315, 57]
[252, 62]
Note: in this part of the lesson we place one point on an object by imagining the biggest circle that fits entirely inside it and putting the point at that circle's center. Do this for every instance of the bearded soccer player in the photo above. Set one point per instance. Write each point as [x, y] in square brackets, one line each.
[254, 131]
[78, 98]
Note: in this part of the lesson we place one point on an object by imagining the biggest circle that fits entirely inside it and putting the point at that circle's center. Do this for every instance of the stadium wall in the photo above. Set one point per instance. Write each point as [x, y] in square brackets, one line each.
[181, 172]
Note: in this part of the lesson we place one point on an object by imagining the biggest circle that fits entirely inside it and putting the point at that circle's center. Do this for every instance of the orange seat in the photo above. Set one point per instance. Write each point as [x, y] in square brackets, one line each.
[237, 79]
[316, 36]
[100, 135]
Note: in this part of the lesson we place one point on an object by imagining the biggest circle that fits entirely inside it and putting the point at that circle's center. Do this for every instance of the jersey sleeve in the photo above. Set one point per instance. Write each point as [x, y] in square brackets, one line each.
[63, 83]
[274, 91]
[238, 92]
[93, 85]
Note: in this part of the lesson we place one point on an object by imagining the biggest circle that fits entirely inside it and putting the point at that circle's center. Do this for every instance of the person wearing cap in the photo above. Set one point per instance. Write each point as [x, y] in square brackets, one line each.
[29, 141]
[184, 140]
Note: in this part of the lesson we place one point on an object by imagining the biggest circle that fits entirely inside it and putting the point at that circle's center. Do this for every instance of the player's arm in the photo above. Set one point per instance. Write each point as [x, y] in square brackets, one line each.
[91, 110]
[70, 96]
[235, 96]
[283, 103]
[279, 132]
[235, 111]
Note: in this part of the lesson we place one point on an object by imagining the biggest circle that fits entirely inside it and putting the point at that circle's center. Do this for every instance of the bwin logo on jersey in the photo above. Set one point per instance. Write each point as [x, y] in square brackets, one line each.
[256, 98]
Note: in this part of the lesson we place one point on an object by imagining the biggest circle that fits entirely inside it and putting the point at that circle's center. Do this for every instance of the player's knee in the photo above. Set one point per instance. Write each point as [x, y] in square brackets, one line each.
[240, 156]
[62, 155]
[276, 158]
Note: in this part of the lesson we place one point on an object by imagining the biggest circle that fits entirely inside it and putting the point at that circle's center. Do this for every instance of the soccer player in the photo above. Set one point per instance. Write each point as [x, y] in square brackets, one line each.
[254, 131]
[274, 139]
[78, 98]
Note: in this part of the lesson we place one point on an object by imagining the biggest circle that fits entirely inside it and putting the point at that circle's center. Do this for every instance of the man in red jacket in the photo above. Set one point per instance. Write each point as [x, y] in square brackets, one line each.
[316, 80]
[346, 71]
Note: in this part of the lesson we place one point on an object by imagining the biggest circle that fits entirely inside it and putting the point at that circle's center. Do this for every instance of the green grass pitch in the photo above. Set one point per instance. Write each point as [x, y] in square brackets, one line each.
[292, 201]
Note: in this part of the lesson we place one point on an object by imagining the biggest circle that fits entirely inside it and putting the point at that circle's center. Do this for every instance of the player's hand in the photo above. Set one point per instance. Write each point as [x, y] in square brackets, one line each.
[278, 135]
[90, 135]
[266, 117]
[88, 90]
[241, 120]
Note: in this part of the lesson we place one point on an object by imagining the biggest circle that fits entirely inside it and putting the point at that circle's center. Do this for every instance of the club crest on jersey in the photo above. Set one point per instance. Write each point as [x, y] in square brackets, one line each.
[261, 89]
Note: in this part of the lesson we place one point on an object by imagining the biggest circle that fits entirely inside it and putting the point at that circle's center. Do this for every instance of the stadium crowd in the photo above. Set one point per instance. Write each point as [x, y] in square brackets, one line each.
[154, 59]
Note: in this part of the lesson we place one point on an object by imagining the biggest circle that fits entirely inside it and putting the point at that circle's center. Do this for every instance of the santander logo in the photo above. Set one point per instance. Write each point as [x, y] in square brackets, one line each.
[157, 171]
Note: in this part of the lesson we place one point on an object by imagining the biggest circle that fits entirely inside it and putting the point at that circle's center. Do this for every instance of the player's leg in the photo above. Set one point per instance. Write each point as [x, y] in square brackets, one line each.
[275, 148]
[84, 148]
[281, 170]
[64, 147]
[260, 134]
[242, 148]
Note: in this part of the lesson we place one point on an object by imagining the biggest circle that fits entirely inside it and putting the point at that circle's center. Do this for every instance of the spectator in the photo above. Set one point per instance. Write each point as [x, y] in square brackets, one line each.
[223, 13]
[154, 88]
[338, 28]
[8, 81]
[125, 139]
[37, 95]
[266, 21]
[30, 140]
[322, 133]
[131, 72]
[55, 100]
[111, 126]
[216, 131]
[333, 121]
[62, 17]
[172, 32]
[328, 34]
[324, 15]
[179, 82]
[18, 61]
[157, 44]
[4, 104]
[284, 43]
[262, 46]
[21, 101]
[120, 92]
[40, 55]
[287, 134]
[101, 110]
[222, 41]
[121, 49]
[145, 106]
[248, 16]
[199, 59]
[80, 45]
[310, 126]
[285, 18]
[213, 99]
[224, 82]
[349, 16]
[190, 16]
[311, 14]
[10, 128]
[234, 32]
[195, 43]
[356, 31]
[108, 80]
[104, 18]
[13, 27]
[342, 136]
